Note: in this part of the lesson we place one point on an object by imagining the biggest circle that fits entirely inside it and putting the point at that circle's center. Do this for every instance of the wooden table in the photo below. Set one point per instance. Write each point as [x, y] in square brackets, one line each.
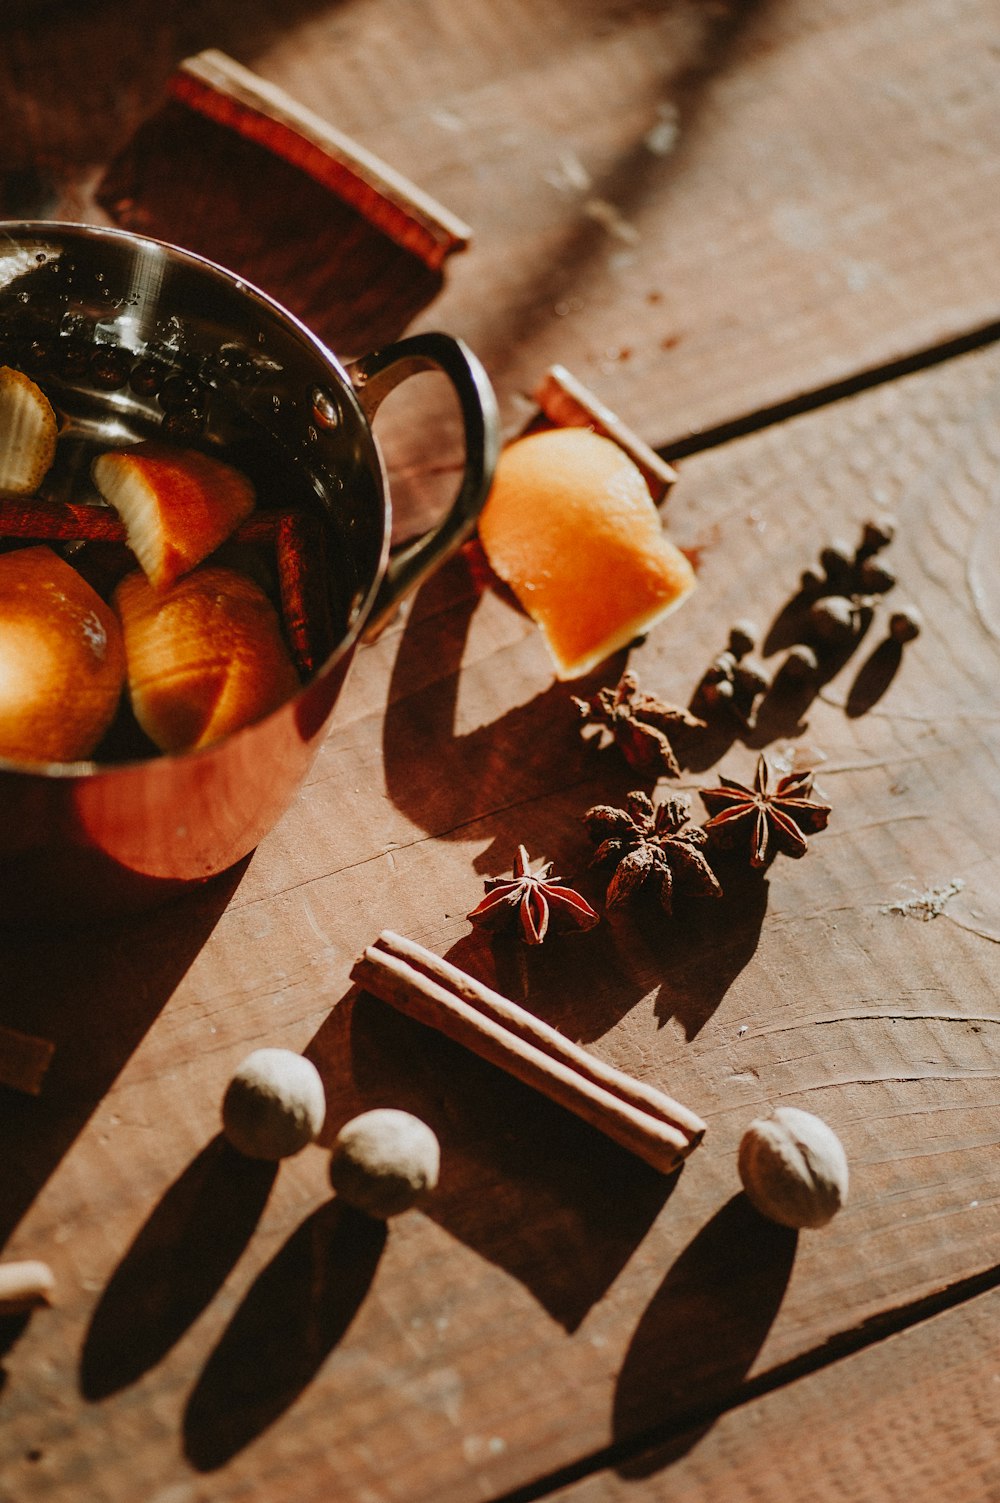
[765, 234]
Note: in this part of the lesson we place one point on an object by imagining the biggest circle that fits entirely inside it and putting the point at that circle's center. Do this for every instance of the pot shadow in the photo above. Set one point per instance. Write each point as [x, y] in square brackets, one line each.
[701, 1333]
[524, 1183]
[176, 1264]
[92, 992]
[507, 761]
[293, 1316]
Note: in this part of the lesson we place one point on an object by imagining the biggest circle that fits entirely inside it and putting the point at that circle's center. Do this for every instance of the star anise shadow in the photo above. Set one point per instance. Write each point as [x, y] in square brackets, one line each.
[524, 1183]
[696, 953]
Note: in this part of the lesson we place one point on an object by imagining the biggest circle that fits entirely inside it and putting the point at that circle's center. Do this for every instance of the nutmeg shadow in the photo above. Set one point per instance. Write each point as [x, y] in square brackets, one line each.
[292, 1318]
[176, 1264]
[700, 1334]
[92, 991]
[525, 1183]
[12, 1328]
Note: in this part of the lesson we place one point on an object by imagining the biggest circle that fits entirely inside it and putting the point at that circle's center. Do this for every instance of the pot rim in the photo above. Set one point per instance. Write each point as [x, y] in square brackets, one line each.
[87, 768]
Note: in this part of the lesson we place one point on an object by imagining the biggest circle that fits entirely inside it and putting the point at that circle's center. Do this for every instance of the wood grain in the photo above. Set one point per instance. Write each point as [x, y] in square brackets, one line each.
[913, 1418]
[232, 1334]
[713, 208]
[701, 211]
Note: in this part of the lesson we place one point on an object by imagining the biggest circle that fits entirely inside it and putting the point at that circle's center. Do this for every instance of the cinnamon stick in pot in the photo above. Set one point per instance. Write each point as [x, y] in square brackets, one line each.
[431, 990]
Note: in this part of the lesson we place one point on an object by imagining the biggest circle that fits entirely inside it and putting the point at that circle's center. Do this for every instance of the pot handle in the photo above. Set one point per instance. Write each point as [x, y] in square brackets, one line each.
[373, 377]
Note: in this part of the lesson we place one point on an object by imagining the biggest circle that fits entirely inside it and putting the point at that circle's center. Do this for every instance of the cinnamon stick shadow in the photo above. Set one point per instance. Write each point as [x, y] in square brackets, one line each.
[524, 1182]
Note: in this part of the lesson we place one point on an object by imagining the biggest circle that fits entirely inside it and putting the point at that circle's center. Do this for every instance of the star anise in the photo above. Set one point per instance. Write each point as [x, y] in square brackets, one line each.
[651, 843]
[780, 817]
[536, 901]
[639, 724]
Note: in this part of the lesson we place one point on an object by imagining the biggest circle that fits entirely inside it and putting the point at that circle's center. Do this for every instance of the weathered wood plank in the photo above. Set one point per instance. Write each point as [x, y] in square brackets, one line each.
[908, 1420]
[700, 212]
[234, 1337]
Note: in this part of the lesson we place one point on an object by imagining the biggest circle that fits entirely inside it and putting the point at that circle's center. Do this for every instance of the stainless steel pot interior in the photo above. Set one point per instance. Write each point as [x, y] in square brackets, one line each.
[132, 339]
[244, 378]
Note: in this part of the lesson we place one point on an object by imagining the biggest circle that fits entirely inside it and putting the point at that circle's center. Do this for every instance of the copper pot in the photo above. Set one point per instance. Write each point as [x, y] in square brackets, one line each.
[91, 836]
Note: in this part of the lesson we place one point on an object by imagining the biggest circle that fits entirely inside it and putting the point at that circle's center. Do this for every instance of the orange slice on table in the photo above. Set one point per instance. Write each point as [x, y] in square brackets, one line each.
[571, 527]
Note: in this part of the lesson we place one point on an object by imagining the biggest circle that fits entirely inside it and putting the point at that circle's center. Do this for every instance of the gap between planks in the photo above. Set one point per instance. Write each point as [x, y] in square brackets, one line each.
[835, 391]
[845, 1344]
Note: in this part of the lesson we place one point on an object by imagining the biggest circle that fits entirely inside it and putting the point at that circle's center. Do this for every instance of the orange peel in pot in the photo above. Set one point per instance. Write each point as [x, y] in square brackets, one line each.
[571, 528]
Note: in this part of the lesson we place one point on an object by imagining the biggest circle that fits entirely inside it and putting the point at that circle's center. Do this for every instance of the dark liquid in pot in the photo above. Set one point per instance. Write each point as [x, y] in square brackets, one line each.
[107, 396]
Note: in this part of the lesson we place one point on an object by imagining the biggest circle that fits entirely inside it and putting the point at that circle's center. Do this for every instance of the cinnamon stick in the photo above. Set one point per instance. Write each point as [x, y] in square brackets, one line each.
[431, 990]
[567, 403]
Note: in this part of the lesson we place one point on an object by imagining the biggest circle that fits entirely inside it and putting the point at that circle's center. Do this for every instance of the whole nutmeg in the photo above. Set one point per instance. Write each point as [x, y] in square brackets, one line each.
[793, 1168]
[384, 1161]
[274, 1105]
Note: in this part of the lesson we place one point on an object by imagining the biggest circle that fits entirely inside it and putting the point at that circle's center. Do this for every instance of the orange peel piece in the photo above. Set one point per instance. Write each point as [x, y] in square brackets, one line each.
[28, 430]
[570, 526]
[205, 657]
[178, 505]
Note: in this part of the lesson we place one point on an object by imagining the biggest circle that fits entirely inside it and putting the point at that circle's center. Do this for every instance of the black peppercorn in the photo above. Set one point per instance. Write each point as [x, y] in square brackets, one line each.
[742, 638]
[875, 578]
[837, 559]
[800, 664]
[875, 534]
[833, 620]
[905, 624]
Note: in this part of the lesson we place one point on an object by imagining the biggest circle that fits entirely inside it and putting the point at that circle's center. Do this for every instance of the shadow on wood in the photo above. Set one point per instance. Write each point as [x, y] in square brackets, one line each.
[702, 1331]
[874, 677]
[294, 1315]
[92, 992]
[175, 1266]
[524, 1183]
[504, 761]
